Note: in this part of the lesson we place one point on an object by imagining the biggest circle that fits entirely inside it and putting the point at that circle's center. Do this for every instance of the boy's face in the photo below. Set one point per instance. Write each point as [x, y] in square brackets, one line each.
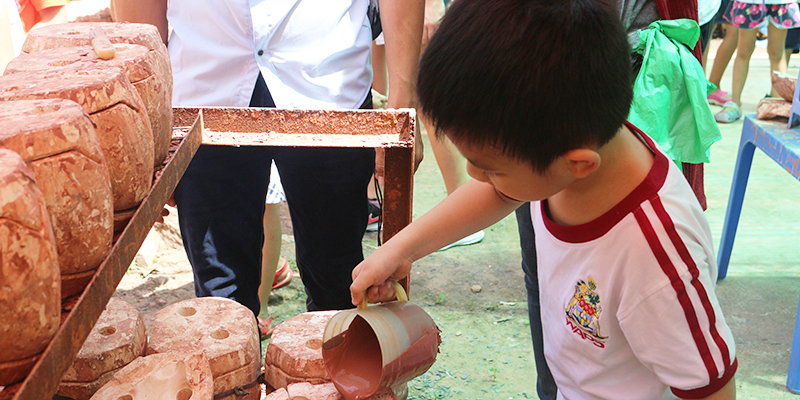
[513, 178]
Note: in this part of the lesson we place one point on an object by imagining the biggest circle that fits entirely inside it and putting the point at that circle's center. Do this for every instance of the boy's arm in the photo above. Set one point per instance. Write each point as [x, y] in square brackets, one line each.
[152, 12]
[472, 207]
[728, 392]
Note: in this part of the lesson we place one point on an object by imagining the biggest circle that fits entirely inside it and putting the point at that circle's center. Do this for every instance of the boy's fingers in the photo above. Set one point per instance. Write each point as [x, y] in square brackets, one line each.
[359, 286]
[381, 293]
[378, 292]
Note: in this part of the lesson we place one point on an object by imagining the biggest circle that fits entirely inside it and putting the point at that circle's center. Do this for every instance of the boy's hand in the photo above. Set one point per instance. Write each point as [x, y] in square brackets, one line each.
[372, 275]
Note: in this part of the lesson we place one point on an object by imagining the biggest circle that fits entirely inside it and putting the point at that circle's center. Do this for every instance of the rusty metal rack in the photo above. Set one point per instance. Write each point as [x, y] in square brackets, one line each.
[391, 130]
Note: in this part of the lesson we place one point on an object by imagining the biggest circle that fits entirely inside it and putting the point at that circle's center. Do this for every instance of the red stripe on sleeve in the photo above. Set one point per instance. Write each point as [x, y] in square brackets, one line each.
[680, 289]
[713, 387]
[680, 246]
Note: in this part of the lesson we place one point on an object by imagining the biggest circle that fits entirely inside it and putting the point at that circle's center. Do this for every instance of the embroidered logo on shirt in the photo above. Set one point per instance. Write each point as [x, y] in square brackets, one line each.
[583, 313]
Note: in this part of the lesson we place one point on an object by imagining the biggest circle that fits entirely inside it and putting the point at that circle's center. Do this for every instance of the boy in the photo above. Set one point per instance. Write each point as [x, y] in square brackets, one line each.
[535, 95]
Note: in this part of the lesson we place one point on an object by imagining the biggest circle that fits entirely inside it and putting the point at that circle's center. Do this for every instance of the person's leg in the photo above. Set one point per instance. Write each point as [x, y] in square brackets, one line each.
[545, 384]
[326, 189]
[452, 164]
[453, 167]
[270, 253]
[741, 64]
[792, 44]
[705, 39]
[724, 53]
[220, 201]
[776, 46]
[380, 77]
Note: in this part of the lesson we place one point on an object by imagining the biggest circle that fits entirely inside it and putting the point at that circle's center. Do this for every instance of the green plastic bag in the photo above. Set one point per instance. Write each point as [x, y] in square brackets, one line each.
[670, 92]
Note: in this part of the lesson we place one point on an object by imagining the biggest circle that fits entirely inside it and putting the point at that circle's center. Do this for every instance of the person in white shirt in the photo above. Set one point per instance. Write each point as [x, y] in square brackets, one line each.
[311, 54]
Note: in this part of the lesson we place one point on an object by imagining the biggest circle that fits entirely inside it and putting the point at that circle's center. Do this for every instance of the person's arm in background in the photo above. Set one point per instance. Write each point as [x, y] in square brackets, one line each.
[152, 12]
[402, 22]
[402, 30]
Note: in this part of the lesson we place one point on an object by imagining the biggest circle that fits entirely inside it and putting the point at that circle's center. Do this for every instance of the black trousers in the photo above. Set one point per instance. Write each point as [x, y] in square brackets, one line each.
[220, 203]
[545, 384]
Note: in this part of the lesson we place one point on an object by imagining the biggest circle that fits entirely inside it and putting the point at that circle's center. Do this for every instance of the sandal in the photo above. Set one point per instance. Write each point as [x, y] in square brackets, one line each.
[730, 113]
[719, 97]
[265, 327]
[283, 275]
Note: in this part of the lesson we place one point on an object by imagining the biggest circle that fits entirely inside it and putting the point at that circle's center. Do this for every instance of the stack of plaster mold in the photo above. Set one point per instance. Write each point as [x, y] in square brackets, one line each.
[140, 67]
[116, 109]
[79, 34]
[148, 69]
[30, 300]
[223, 330]
[294, 366]
[118, 338]
[57, 139]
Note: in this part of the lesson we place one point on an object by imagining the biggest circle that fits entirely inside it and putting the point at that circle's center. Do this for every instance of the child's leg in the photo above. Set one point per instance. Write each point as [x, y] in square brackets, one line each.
[451, 163]
[792, 44]
[724, 54]
[741, 64]
[776, 46]
[380, 79]
[270, 253]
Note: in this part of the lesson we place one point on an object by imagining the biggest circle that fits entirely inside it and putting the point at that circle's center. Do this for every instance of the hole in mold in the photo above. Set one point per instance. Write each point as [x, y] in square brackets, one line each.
[184, 394]
[314, 344]
[108, 330]
[220, 334]
[186, 311]
[299, 398]
[126, 397]
[73, 33]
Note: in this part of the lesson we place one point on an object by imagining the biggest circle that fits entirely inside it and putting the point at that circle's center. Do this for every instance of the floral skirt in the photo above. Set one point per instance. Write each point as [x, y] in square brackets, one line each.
[752, 16]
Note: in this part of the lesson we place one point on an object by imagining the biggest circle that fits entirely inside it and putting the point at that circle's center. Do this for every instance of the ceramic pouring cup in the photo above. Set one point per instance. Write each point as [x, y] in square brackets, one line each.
[370, 350]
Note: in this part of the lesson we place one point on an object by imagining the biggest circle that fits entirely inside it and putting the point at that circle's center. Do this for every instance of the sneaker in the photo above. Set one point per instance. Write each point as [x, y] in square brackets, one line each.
[471, 239]
[374, 217]
[730, 113]
[718, 98]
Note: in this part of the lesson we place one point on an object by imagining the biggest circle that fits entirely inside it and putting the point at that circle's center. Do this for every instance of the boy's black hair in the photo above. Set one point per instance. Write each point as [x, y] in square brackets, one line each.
[535, 78]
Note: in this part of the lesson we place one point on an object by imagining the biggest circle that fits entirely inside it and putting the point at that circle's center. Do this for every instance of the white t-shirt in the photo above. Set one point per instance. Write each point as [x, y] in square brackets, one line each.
[312, 53]
[627, 300]
[706, 10]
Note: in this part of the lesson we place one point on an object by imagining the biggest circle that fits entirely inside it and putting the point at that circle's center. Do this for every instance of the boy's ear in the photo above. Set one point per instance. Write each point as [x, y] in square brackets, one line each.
[581, 162]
